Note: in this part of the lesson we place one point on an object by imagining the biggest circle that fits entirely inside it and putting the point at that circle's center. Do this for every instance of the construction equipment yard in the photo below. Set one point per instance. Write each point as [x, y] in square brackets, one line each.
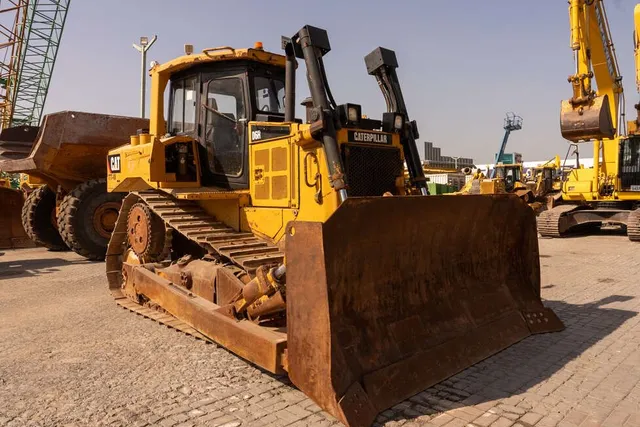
[77, 358]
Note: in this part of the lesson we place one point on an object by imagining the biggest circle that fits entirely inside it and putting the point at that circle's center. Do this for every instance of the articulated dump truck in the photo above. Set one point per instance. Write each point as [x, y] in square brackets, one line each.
[67, 203]
[296, 245]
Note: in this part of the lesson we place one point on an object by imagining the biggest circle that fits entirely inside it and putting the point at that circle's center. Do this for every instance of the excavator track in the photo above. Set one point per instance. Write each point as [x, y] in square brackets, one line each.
[244, 251]
[549, 220]
[633, 225]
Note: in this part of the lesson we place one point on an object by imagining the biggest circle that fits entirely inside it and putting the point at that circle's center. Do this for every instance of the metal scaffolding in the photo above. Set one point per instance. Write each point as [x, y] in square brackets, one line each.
[42, 34]
[13, 16]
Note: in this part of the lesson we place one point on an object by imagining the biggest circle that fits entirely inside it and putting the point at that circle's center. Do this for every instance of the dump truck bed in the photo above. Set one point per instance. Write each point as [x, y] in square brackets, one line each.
[69, 148]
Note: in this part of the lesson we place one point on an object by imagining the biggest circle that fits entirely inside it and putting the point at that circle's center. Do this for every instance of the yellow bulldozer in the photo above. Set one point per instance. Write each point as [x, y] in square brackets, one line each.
[509, 178]
[545, 183]
[272, 237]
[63, 167]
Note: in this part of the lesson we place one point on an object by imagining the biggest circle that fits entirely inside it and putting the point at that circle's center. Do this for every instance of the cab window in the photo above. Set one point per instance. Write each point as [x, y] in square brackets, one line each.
[183, 115]
[269, 95]
[224, 130]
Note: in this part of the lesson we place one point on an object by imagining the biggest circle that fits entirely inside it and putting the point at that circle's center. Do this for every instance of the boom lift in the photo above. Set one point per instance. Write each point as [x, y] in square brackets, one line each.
[273, 238]
[609, 192]
[511, 123]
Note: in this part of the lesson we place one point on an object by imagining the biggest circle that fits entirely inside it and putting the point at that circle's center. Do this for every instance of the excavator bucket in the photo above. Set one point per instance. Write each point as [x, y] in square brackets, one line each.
[12, 234]
[392, 295]
[586, 122]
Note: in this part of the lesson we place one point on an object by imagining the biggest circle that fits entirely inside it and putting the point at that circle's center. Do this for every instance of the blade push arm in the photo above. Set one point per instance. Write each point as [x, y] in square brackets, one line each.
[382, 64]
[311, 44]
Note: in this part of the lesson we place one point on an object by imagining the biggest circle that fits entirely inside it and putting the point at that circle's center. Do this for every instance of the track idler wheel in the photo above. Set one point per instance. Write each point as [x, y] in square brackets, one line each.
[146, 233]
[87, 218]
[39, 219]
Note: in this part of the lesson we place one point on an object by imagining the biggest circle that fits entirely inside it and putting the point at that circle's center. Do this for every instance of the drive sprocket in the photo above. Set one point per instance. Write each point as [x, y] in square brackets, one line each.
[146, 233]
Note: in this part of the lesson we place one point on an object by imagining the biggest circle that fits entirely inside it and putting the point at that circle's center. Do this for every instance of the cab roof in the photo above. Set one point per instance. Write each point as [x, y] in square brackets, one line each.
[220, 54]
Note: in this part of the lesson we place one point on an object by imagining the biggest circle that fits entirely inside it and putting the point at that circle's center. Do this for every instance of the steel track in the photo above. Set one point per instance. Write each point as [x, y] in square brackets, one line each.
[243, 251]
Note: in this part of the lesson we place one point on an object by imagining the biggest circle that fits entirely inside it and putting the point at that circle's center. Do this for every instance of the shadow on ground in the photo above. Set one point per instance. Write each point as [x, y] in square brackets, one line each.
[34, 267]
[522, 365]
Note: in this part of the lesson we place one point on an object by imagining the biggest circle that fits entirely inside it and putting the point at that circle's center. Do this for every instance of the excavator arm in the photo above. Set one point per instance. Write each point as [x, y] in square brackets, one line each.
[592, 112]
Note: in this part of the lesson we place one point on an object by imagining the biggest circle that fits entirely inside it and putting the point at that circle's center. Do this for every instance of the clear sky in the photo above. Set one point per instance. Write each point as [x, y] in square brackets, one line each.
[463, 64]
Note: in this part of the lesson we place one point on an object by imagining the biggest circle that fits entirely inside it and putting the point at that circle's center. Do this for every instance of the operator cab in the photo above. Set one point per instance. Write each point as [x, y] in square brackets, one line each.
[510, 173]
[213, 104]
[630, 163]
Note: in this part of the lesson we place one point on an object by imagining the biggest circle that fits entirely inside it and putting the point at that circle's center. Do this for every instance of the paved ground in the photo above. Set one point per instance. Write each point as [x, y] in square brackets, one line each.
[70, 356]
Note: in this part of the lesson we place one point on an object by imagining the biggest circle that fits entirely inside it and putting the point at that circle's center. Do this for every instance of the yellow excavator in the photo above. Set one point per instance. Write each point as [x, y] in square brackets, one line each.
[272, 237]
[608, 192]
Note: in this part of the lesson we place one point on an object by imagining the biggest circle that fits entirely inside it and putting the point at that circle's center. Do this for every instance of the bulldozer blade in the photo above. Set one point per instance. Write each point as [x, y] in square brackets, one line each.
[586, 122]
[12, 234]
[392, 295]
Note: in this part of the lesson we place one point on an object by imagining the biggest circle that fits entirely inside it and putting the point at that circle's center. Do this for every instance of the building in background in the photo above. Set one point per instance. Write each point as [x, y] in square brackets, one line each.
[433, 159]
[445, 175]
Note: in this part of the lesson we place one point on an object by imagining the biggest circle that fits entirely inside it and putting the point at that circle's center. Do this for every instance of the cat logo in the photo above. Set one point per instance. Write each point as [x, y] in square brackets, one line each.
[114, 163]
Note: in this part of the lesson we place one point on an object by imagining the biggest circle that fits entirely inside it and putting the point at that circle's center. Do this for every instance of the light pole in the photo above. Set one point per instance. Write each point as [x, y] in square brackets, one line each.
[455, 162]
[144, 46]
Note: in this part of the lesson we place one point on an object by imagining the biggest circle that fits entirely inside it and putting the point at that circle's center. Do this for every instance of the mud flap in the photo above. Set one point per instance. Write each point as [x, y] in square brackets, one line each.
[392, 295]
[12, 234]
[586, 122]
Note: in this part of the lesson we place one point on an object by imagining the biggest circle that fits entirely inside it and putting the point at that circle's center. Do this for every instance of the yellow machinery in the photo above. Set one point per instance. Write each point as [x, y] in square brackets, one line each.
[509, 178]
[545, 182]
[63, 175]
[12, 235]
[609, 192]
[272, 237]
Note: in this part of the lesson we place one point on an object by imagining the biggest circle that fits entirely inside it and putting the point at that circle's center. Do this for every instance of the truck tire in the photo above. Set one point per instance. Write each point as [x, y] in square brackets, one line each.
[87, 217]
[38, 219]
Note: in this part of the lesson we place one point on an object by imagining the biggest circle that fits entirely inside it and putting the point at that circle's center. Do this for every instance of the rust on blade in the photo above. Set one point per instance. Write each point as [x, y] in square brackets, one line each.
[393, 295]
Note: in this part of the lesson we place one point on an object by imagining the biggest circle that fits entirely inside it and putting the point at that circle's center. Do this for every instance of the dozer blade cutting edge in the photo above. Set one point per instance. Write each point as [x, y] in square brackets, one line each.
[392, 295]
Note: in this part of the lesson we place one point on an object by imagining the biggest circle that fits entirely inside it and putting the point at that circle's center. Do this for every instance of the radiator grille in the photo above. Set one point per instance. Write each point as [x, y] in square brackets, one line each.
[371, 171]
[630, 163]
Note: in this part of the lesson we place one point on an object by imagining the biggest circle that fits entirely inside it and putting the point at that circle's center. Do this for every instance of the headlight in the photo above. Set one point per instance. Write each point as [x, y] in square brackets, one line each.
[352, 114]
[392, 122]
[398, 122]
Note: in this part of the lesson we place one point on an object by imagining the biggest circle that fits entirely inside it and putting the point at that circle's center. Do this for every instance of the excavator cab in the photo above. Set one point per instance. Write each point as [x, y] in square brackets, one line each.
[296, 245]
[630, 163]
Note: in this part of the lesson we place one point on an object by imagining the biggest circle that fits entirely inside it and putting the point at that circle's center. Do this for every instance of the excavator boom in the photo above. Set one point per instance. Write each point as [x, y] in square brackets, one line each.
[592, 113]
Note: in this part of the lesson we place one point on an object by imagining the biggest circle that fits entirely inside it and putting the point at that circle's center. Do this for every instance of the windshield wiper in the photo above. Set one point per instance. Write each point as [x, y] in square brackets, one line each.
[272, 85]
